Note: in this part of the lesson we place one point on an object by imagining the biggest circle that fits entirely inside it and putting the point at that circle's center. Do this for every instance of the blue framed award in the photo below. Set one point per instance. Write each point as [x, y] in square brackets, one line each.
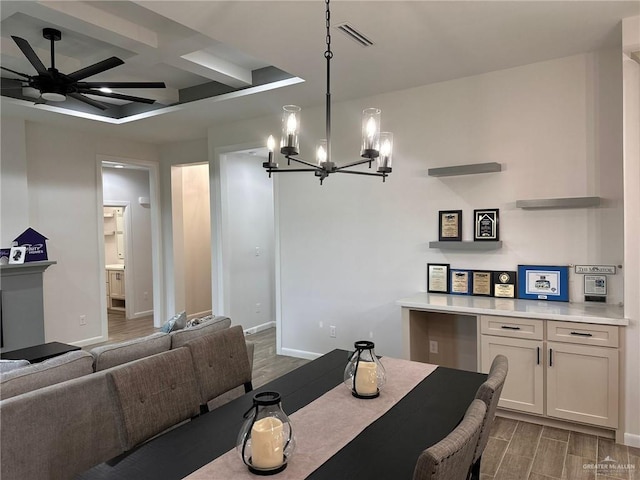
[542, 282]
[460, 282]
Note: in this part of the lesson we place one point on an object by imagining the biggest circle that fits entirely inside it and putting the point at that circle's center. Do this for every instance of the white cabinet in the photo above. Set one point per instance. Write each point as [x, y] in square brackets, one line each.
[116, 289]
[573, 369]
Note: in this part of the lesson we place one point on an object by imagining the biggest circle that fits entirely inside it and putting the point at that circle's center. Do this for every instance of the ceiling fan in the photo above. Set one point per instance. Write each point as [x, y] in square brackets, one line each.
[56, 86]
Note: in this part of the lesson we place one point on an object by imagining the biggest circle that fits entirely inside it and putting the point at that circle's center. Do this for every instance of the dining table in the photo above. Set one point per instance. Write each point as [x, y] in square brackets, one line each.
[337, 435]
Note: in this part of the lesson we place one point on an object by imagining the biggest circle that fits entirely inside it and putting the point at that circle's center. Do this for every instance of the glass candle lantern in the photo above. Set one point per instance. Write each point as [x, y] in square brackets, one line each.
[265, 442]
[370, 133]
[271, 145]
[386, 152]
[364, 375]
[289, 143]
[321, 152]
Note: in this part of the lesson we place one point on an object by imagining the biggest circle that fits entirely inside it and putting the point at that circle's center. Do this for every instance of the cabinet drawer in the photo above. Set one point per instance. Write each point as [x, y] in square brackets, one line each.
[513, 327]
[583, 333]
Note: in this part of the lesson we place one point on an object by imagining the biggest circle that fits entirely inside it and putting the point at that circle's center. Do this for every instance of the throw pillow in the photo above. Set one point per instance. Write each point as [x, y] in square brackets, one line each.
[193, 322]
[174, 322]
[9, 365]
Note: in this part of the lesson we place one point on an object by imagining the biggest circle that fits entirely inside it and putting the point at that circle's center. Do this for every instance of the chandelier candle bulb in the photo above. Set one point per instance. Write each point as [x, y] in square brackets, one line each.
[386, 152]
[267, 442]
[321, 152]
[370, 133]
[290, 129]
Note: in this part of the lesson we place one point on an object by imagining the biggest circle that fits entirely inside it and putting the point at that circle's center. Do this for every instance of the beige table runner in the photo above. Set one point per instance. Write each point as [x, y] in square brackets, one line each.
[326, 425]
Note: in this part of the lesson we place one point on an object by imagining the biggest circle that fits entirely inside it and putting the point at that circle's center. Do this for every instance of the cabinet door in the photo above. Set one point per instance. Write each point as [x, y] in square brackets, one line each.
[523, 389]
[582, 383]
[116, 284]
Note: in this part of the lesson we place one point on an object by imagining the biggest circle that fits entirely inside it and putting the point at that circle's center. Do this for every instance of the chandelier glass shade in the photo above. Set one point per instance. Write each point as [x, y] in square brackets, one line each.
[376, 146]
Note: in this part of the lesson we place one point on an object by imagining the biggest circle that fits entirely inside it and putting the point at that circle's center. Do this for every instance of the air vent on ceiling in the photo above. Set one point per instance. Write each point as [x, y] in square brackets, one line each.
[354, 34]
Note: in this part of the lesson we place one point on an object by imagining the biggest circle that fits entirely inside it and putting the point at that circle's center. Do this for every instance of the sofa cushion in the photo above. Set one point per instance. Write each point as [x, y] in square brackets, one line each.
[38, 375]
[8, 365]
[208, 326]
[177, 322]
[108, 356]
[59, 431]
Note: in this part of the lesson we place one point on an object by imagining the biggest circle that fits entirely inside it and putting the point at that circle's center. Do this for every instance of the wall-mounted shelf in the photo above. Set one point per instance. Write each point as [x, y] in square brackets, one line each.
[467, 246]
[470, 169]
[573, 202]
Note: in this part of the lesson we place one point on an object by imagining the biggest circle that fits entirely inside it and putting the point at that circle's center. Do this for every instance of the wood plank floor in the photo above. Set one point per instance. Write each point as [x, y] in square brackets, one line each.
[516, 450]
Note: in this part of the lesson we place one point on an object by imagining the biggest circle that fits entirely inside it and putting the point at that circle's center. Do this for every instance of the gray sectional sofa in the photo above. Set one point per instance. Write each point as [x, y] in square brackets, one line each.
[58, 405]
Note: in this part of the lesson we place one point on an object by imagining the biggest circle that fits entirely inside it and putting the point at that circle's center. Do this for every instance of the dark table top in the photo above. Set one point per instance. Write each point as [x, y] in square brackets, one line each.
[39, 353]
[386, 449]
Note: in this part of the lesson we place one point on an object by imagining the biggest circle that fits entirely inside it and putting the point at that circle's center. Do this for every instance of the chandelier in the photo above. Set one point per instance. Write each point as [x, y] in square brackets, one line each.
[376, 145]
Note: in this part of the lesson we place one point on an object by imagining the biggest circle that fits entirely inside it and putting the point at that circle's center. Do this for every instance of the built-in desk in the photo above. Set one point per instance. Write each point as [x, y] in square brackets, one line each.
[564, 358]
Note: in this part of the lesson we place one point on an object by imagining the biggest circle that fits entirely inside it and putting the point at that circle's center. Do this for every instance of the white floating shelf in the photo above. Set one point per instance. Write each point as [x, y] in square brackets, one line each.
[574, 202]
[467, 246]
[470, 169]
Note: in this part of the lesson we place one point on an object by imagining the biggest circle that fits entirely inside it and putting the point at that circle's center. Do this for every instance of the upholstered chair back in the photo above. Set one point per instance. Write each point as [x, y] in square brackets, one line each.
[451, 457]
[154, 394]
[221, 363]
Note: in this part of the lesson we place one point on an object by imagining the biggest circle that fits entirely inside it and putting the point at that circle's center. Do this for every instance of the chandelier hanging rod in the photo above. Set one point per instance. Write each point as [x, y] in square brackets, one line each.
[376, 145]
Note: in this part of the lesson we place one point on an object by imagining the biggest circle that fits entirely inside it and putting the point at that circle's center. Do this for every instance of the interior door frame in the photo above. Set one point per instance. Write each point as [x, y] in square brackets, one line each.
[159, 303]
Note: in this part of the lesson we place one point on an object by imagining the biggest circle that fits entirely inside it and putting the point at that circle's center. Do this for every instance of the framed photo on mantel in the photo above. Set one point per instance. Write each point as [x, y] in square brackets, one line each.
[450, 225]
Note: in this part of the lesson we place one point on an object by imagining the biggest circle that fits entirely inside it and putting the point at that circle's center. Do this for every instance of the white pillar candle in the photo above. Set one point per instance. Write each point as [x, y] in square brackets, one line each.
[267, 443]
[366, 378]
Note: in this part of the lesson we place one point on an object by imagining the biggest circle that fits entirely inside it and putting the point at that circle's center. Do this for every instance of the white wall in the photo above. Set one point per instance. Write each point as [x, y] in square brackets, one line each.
[127, 185]
[14, 201]
[61, 192]
[248, 226]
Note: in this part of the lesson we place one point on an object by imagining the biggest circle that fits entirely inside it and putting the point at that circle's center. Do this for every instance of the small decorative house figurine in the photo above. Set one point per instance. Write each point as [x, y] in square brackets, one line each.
[36, 245]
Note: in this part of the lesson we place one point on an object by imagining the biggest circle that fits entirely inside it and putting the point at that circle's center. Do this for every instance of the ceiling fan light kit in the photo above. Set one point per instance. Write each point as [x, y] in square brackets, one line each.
[376, 145]
[55, 86]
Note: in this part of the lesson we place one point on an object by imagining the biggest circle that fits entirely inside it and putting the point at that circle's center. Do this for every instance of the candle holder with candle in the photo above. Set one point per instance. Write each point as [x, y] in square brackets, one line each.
[364, 375]
[266, 441]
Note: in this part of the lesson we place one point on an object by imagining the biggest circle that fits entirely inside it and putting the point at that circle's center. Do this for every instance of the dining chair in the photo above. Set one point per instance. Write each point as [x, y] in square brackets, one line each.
[154, 394]
[489, 392]
[222, 366]
[451, 457]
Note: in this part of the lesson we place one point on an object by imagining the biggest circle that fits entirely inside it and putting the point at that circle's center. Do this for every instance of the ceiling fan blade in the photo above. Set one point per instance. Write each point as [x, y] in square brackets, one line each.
[122, 85]
[88, 100]
[96, 68]
[11, 83]
[17, 73]
[30, 54]
[117, 95]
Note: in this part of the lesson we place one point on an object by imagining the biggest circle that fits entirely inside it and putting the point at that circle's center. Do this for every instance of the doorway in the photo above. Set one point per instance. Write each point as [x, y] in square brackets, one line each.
[130, 253]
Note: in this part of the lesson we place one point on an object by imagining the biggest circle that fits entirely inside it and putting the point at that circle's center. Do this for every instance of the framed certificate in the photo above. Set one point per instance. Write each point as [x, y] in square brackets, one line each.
[438, 277]
[481, 281]
[540, 282]
[504, 284]
[450, 225]
[486, 224]
[460, 282]
[595, 285]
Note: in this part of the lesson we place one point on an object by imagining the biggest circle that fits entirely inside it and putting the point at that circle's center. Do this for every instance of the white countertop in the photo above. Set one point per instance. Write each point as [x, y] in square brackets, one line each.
[604, 314]
[115, 266]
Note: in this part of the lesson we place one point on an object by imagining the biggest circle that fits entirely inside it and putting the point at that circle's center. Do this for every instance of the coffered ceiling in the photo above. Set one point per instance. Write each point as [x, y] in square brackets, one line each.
[228, 60]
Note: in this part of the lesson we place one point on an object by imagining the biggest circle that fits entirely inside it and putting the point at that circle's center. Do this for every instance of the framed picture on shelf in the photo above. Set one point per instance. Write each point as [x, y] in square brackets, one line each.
[438, 277]
[542, 282]
[504, 284]
[460, 282]
[481, 283]
[450, 225]
[486, 225]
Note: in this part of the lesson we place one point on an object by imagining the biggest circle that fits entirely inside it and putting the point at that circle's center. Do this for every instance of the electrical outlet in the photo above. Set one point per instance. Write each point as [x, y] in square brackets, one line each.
[332, 331]
[433, 346]
[257, 251]
[370, 334]
[258, 308]
[83, 319]
[146, 295]
[320, 324]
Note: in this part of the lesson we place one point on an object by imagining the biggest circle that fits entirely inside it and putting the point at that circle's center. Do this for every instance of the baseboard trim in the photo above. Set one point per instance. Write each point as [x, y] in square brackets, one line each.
[259, 328]
[89, 341]
[290, 352]
[632, 440]
[148, 313]
[552, 422]
[204, 313]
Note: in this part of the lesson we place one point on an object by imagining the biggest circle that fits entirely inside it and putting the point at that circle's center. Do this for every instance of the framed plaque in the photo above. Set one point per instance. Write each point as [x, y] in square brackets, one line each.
[541, 282]
[438, 277]
[486, 224]
[595, 285]
[450, 225]
[481, 281]
[460, 282]
[504, 284]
